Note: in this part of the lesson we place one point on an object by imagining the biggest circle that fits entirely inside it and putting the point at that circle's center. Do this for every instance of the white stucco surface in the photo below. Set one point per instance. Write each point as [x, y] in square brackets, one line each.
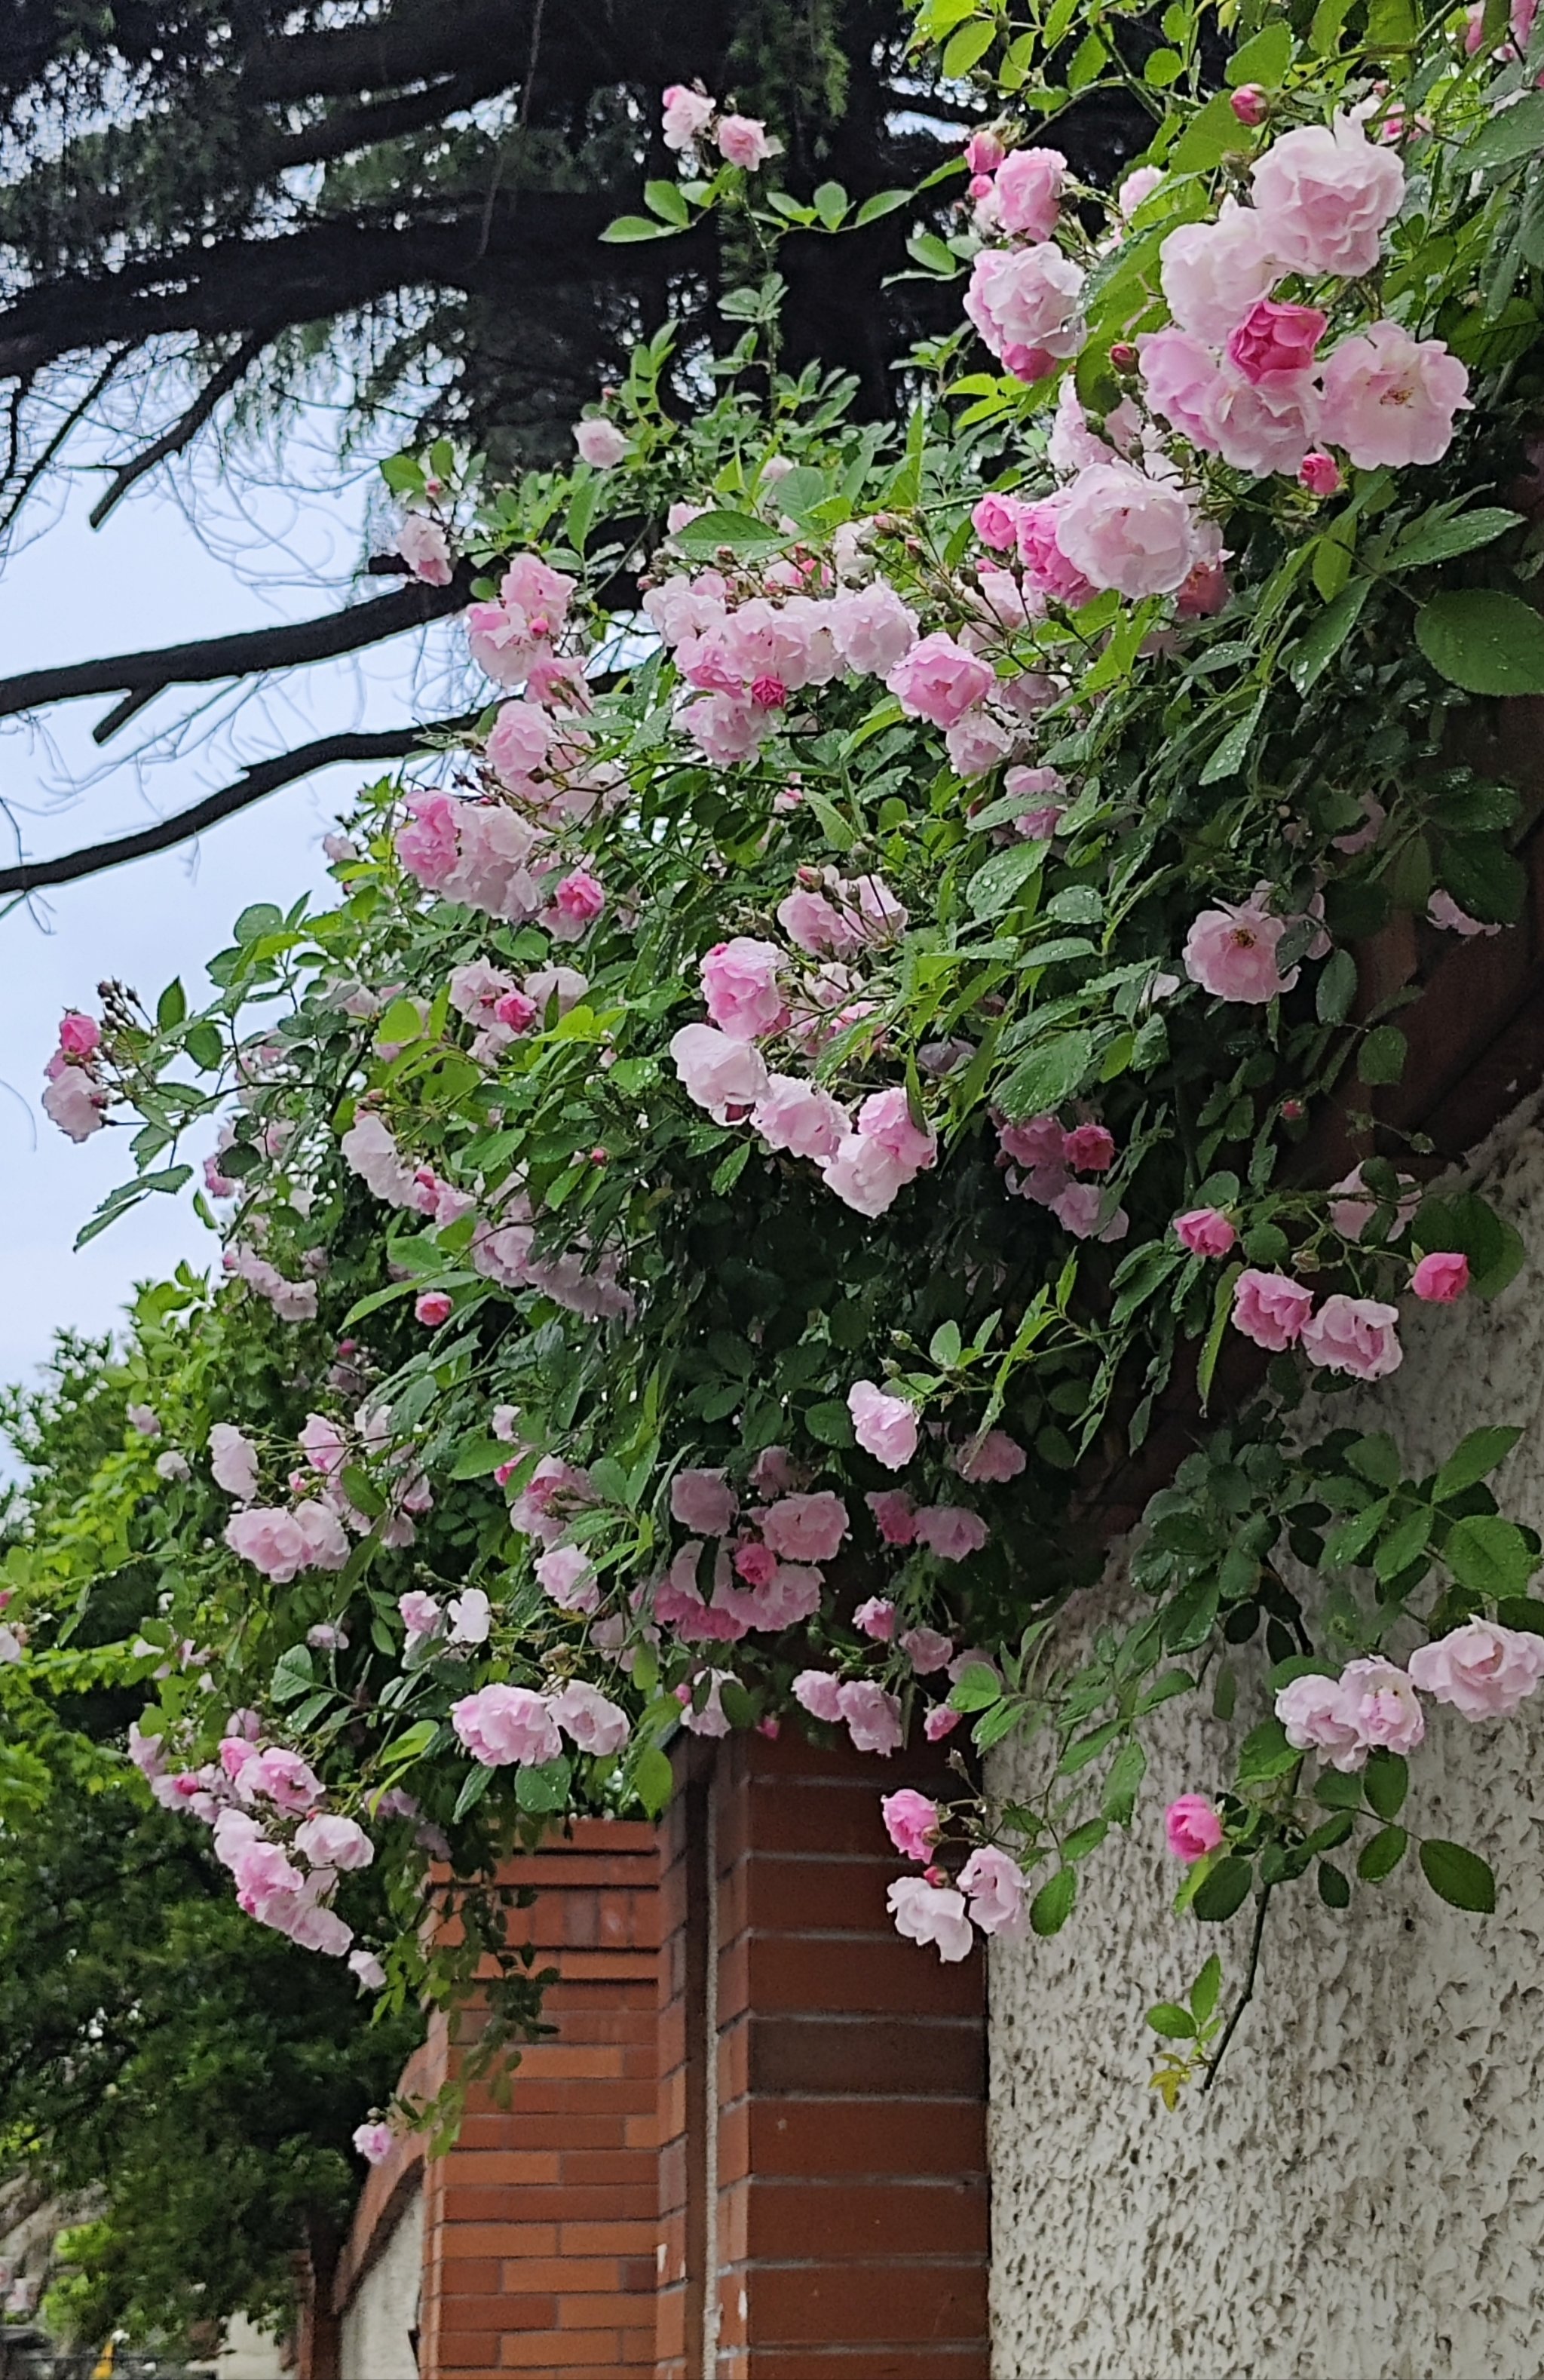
[1362, 2195]
[375, 2343]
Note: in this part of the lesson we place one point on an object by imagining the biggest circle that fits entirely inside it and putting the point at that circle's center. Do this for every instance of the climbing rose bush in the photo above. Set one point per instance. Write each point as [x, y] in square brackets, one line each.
[743, 1156]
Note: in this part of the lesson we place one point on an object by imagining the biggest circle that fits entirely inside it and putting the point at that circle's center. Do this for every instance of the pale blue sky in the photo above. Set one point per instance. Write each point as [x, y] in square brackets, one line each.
[74, 594]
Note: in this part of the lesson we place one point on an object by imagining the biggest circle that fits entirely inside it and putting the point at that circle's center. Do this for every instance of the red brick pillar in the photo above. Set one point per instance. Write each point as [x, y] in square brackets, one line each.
[541, 2223]
[843, 2147]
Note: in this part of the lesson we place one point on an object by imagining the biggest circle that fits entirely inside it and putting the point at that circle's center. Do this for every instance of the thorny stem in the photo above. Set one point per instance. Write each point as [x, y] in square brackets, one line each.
[1246, 1996]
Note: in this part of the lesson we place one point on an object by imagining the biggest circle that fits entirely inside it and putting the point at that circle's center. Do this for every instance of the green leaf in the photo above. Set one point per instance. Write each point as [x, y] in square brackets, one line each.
[1458, 1876]
[1385, 1782]
[883, 202]
[479, 1456]
[830, 1423]
[1208, 137]
[1222, 1307]
[944, 1347]
[664, 200]
[1439, 541]
[1203, 1992]
[968, 47]
[1223, 1890]
[1052, 1905]
[1381, 1856]
[260, 919]
[1406, 1544]
[652, 1779]
[1003, 876]
[1227, 757]
[1127, 1769]
[626, 229]
[1514, 133]
[1380, 1058]
[1173, 2022]
[1490, 1555]
[172, 1007]
[204, 1046]
[1264, 60]
[1335, 1790]
[1336, 988]
[1265, 1754]
[1087, 1748]
[1473, 1459]
[401, 1022]
[975, 1688]
[1048, 1075]
[1484, 640]
[1312, 654]
[545, 1787]
[1350, 1541]
[293, 1674]
[830, 203]
[740, 532]
[1335, 1890]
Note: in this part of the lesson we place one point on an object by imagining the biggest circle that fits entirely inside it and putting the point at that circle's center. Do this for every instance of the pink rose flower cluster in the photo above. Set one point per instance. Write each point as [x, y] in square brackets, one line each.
[1353, 1335]
[311, 1532]
[1039, 1160]
[1231, 951]
[1481, 1669]
[76, 1093]
[293, 1300]
[285, 1853]
[504, 1726]
[865, 1159]
[689, 115]
[988, 1895]
[1238, 374]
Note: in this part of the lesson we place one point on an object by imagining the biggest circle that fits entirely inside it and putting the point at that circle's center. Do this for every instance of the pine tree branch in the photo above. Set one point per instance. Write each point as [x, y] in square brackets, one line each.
[185, 429]
[250, 653]
[263, 778]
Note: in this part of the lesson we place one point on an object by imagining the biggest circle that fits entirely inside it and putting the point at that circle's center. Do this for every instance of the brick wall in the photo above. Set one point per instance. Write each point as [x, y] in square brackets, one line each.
[542, 2222]
[846, 2171]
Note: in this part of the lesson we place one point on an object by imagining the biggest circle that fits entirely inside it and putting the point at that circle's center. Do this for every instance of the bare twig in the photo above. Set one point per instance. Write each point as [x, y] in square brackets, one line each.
[1246, 1996]
[184, 429]
[263, 777]
[71, 421]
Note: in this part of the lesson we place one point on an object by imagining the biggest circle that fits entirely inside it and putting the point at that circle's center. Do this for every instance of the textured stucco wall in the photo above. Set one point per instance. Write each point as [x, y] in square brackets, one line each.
[384, 2308]
[1362, 2196]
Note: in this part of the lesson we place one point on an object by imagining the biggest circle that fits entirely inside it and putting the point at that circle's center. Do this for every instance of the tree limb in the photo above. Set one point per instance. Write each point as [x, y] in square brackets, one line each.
[387, 119]
[249, 653]
[263, 777]
[186, 428]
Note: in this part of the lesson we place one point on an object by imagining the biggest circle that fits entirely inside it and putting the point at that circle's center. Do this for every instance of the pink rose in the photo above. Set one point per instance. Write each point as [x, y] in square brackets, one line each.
[1321, 475]
[894, 1517]
[433, 1306]
[565, 1574]
[1355, 1335]
[1193, 1827]
[877, 1617]
[333, 1842]
[1441, 1277]
[994, 1458]
[994, 1884]
[519, 742]
[1484, 1670]
[872, 1717]
[1088, 1148]
[1379, 1701]
[1270, 1309]
[928, 1912]
[950, 1531]
[1275, 338]
[1212, 273]
[421, 1616]
[74, 1102]
[800, 1117]
[1391, 399]
[373, 2142]
[503, 1724]
[995, 521]
[1024, 303]
[1317, 1717]
[941, 1721]
[1325, 192]
[1047, 565]
[1231, 953]
[1122, 530]
[817, 1691]
[724, 1077]
[873, 1164]
[233, 1462]
[284, 1778]
[1443, 910]
[578, 901]
[927, 1650]
[594, 1724]
[939, 681]
[1205, 1231]
[983, 152]
[703, 1503]
[600, 444]
[817, 926]
[742, 142]
[805, 1528]
[686, 115]
[80, 1034]
[1029, 192]
[741, 986]
[1250, 104]
[1138, 187]
[1262, 426]
[423, 545]
[1352, 1206]
[884, 1426]
[872, 629]
[912, 1823]
[269, 1538]
[370, 1973]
